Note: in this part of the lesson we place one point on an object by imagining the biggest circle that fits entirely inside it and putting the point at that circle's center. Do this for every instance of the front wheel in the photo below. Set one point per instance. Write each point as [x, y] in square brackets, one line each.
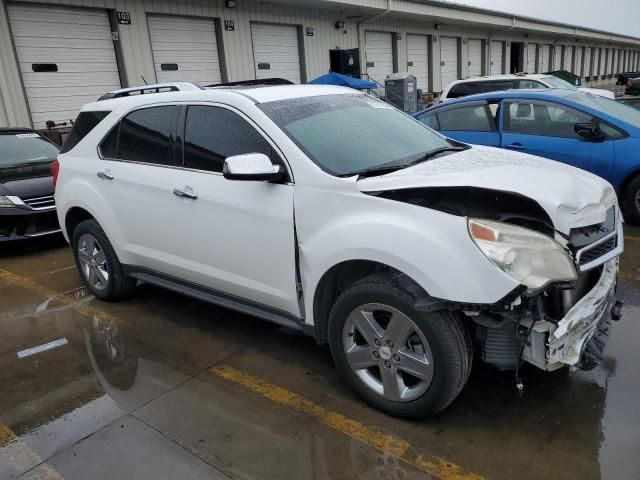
[632, 201]
[404, 362]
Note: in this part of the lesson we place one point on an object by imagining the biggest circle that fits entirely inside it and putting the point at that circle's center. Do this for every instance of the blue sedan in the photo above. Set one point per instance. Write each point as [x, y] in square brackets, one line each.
[584, 130]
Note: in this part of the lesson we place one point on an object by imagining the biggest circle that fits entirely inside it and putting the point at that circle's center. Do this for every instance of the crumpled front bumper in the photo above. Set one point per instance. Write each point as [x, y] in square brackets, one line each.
[564, 343]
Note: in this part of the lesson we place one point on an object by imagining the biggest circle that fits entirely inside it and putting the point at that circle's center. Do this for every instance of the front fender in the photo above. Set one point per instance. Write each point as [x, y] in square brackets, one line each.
[432, 248]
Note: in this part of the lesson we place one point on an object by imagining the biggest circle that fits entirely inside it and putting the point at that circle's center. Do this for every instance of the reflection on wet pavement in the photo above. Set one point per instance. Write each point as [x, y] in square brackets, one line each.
[128, 392]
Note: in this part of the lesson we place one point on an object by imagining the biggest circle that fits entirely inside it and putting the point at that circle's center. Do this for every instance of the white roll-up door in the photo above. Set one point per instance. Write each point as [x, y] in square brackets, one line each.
[497, 54]
[546, 58]
[448, 60]
[184, 49]
[276, 52]
[66, 58]
[579, 69]
[557, 57]
[418, 59]
[587, 62]
[475, 57]
[568, 59]
[531, 58]
[379, 55]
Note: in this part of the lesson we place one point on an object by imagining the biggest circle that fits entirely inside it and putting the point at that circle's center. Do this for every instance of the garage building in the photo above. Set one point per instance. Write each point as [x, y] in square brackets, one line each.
[56, 55]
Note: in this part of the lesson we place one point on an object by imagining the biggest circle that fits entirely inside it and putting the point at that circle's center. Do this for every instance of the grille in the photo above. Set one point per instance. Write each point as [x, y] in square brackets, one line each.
[40, 203]
[599, 250]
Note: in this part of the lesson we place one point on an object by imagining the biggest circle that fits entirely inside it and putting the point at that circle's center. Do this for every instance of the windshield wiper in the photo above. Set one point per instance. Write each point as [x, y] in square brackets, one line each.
[391, 168]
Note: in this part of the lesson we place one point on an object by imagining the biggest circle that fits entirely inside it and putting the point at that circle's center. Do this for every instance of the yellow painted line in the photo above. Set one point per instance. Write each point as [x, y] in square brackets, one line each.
[436, 466]
[52, 295]
[17, 454]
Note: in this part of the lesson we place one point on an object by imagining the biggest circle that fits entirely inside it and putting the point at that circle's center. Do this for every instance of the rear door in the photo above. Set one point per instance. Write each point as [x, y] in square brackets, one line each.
[547, 129]
[234, 236]
[470, 122]
[134, 174]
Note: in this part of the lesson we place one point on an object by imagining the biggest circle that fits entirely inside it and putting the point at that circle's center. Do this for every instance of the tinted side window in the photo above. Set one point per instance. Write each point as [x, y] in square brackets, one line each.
[144, 135]
[464, 89]
[212, 134]
[523, 84]
[471, 118]
[497, 86]
[551, 120]
[430, 120]
[85, 122]
[109, 146]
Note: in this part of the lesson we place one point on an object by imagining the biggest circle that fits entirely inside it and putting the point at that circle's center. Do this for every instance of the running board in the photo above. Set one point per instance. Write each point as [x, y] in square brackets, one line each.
[217, 298]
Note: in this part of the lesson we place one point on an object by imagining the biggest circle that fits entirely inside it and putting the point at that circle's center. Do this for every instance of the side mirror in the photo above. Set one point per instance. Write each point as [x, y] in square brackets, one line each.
[252, 166]
[590, 131]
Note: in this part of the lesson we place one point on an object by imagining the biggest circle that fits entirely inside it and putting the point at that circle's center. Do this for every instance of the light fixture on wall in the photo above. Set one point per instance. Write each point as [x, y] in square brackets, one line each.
[436, 26]
[339, 25]
[231, 4]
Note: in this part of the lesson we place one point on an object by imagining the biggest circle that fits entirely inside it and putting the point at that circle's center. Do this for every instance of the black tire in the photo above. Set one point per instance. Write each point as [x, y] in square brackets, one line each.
[631, 201]
[448, 339]
[119, 285]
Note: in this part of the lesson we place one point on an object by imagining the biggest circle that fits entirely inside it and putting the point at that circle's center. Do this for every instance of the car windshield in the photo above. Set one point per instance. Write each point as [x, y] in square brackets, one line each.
[609, 107]
[556, 82]
[350, 134]
[22, 148]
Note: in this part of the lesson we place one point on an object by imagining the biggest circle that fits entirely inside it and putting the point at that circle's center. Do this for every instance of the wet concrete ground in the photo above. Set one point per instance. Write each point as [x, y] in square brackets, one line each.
[162, 386]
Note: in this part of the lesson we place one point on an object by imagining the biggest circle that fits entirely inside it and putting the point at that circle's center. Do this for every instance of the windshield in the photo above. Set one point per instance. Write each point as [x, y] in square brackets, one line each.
[609, 107]
[21, 148]
[348, 134]
[556, 82]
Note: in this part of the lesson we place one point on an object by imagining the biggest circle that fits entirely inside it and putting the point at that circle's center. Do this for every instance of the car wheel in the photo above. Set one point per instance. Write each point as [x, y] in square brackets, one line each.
[98, 263]
[632, 200]
[402, 361]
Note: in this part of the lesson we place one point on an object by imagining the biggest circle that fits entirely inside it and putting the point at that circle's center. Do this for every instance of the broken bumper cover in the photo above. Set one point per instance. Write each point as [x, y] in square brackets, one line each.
[588, 319]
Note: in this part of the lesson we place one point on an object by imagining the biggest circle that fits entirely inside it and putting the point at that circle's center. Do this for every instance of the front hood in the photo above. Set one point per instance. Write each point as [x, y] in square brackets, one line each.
[571, 197]
[599, 91]
[27, 181]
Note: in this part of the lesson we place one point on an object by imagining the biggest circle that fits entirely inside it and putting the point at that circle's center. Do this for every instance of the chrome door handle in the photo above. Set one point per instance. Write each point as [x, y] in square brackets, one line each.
[185, 193]
[515, 146]
[106, 175]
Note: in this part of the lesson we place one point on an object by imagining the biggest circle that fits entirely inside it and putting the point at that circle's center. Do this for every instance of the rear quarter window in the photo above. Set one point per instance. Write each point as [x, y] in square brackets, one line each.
[85, 122]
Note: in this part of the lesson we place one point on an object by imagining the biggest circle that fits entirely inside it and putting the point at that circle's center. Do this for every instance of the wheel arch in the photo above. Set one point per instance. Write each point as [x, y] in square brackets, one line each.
[622, 189]
[342, 275]
[73, 217]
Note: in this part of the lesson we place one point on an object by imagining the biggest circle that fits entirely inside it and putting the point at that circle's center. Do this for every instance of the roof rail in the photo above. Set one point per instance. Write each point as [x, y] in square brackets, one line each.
[154, 88]
[253, 83]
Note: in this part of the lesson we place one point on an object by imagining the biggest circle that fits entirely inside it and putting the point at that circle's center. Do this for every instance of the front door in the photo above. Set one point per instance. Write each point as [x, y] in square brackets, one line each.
[233, 236]
[546, 129]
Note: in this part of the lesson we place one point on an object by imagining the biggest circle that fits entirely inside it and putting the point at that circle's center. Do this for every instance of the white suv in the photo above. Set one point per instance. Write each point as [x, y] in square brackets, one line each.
[330, 212]
[495, 83]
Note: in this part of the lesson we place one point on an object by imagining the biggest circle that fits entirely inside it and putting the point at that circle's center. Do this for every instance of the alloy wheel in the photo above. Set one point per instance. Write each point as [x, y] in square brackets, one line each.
[388, 352]
[93, 262]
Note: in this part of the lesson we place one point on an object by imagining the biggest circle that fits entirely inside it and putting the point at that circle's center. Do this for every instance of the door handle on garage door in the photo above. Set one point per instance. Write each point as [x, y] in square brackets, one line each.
[185, 192]
[515, 146]
[106, 175]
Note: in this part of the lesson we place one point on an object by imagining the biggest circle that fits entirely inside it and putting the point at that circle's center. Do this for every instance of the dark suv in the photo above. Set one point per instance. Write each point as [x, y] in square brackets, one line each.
[27, 206]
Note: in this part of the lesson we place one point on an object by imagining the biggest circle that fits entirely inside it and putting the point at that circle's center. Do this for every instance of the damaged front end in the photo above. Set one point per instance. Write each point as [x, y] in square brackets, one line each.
[561, 314]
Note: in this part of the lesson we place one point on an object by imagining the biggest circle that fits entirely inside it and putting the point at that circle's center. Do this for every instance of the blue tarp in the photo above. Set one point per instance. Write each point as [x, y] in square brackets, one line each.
[344, 81]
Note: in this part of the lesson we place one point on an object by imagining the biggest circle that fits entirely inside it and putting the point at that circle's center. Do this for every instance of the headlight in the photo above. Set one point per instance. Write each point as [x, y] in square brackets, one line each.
[530, 257]
[6, 202]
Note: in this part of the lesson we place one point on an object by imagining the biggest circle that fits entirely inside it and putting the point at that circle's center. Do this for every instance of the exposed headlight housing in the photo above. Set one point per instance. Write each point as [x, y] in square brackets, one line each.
[531, 258]
[6, 202]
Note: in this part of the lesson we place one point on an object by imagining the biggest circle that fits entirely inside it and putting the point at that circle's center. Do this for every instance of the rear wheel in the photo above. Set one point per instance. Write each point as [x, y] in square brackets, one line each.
[632, 200]
[98, 263]
[404, 362]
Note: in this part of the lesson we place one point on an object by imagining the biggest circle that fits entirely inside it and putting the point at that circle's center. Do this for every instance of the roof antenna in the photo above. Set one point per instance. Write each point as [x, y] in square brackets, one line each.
[143, 79]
